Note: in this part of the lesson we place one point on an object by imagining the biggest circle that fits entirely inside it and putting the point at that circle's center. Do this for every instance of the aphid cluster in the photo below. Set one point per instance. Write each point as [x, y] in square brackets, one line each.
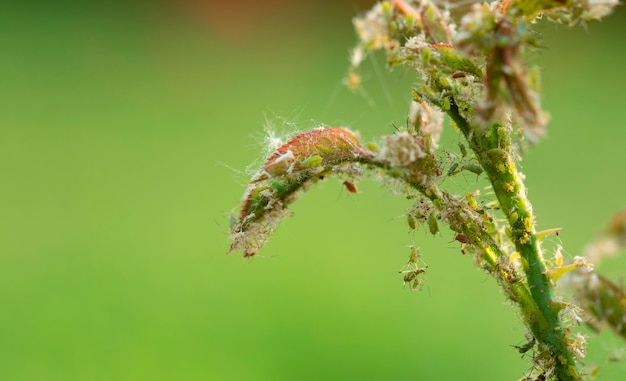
[414, 267]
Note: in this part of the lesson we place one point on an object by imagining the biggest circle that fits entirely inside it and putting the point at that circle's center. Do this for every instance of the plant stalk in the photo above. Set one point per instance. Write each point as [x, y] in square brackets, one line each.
[492, 148]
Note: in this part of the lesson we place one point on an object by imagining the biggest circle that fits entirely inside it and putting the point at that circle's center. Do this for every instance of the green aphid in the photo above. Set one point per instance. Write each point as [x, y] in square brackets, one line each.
[414, 256]
[508, 232]
[438, 204]
[444, 82]
[452, 169]
[255, 203]
[471, 201]
[412, 270]
[393, 28]
[410, 220]
[372, 147]
[501, 131]
[453, 59]
[411, 277]
[279, 187]
[311, 161]
[433, 226]
[526, 347]
[410, 22]
[513, 217]
[386, 6]
[446, 104]
[474, 168]
[426, 56]
[463, 149]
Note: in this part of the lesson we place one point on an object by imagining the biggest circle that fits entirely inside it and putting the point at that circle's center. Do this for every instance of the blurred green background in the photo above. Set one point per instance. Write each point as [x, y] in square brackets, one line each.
[125, 133]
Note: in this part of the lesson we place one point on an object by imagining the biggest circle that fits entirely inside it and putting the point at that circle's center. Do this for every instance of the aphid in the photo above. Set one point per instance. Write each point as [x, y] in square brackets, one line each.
[350, 187]
[311, 161]
[463, 149]
[432, 224]
[414, 257]
[410, 22]
[452, 169]
[410, 276]
[412, 270]
[410, 220]
[594, 372]
[474, 168]
[471, 201]
[513, 217]
[387, 12]
[526, 347]
[446, 104]
[462, 238]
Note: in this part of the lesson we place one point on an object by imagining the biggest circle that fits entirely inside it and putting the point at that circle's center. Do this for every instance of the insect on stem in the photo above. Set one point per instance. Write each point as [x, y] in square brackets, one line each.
[350, 187]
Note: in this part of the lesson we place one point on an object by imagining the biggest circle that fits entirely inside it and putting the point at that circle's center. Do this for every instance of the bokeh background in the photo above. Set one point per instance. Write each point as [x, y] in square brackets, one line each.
[125, 133]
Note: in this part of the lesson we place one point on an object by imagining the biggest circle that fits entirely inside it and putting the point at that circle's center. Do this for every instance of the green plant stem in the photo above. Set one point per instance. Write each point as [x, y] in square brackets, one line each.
[493, 152]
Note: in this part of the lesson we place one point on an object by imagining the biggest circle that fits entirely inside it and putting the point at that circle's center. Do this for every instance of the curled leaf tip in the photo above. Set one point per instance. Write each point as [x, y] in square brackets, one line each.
[312, 149]
[302, 161]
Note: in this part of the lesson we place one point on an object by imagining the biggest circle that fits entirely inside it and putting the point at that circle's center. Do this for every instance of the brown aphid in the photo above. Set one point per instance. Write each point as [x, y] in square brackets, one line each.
[462, 238]
[350, 187]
